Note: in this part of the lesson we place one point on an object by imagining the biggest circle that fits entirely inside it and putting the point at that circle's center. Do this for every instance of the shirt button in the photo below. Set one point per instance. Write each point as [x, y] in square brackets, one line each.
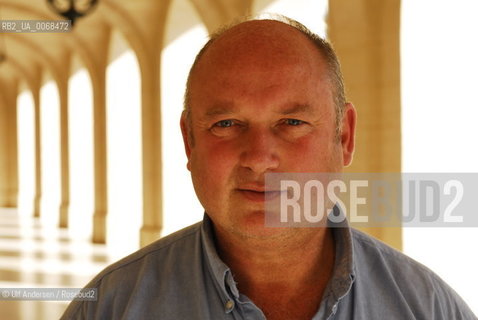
[229, 305]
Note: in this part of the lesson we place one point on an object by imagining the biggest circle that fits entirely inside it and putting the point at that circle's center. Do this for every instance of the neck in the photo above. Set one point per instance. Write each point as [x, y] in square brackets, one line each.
[304, 250]
[272, 271]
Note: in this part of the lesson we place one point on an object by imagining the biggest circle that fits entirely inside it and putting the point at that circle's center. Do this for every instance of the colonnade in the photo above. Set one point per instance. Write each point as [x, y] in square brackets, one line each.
[365, 34]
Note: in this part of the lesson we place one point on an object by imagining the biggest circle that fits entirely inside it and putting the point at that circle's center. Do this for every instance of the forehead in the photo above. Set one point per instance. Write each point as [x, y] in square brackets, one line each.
[266, 43]
[256, 56]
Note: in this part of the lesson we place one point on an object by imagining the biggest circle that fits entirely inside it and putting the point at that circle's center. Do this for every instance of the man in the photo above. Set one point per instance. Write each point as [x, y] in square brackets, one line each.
[265, 96]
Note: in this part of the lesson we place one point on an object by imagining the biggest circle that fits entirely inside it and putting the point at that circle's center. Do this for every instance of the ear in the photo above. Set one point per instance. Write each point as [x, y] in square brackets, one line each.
[349, 121]
[185, 130]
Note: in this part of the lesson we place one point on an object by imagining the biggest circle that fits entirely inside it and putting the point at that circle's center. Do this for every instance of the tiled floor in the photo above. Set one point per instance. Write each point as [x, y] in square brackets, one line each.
[32, 256]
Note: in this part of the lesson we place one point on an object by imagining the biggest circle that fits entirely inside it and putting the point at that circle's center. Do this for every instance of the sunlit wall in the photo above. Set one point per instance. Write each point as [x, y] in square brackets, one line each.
[26, 151]
[124, 160]
[439, 112]
[80, 122]
[180, 205]
[311, 13]
[50, 153]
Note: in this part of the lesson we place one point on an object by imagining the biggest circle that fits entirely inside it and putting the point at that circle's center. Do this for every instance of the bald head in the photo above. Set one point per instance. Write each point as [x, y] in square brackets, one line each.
[263, 42]
[267, 46]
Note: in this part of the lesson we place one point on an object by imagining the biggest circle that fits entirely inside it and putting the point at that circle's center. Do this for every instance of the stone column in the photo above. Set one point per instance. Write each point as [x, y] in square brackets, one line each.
[35, 89]
[152, 154]
[62, 82]
[3, 150]
[12, 146]
[8, 146]
[99, 161]
[149, 53]
[98, 77]
[366, 37]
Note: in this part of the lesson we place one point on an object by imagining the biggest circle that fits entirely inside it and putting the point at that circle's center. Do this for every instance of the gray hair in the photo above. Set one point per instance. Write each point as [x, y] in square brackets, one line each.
[324, 48]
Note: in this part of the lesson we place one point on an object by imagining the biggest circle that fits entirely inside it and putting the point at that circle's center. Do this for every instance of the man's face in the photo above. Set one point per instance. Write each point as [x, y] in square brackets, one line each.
[261, 102]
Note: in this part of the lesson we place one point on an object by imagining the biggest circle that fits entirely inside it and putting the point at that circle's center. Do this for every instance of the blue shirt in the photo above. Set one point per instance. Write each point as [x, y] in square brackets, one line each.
[182, 277]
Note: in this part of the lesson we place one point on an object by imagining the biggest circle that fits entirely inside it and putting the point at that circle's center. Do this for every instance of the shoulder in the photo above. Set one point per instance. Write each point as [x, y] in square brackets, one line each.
[141, 277]
[371, 254]
[389, 274]
[164, 249]
[368, 250]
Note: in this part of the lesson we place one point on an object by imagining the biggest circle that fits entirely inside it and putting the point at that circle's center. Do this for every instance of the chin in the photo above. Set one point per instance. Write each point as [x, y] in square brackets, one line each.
[253, 226]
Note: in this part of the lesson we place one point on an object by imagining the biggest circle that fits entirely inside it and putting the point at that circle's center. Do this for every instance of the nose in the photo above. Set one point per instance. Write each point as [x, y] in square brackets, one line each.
[259, 150]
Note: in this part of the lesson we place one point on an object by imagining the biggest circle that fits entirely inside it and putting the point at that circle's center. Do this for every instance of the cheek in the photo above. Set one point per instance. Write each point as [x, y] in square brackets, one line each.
[310, 154]
[212, 163]
[211, 172]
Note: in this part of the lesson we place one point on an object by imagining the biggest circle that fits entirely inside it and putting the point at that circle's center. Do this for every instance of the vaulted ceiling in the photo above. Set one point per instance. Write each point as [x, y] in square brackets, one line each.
[141, 22]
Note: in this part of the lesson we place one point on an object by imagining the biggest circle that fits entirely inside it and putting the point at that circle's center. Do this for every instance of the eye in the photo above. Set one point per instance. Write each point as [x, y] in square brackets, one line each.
[226, 128]
[224, 123]
[291, 129]
[294, 122]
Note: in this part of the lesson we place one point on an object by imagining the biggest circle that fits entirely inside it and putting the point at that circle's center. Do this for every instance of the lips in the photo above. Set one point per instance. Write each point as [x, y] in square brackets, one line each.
[258, 194]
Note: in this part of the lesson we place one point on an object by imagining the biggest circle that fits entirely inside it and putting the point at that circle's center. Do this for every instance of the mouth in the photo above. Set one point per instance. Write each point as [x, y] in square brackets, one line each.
[259, 195]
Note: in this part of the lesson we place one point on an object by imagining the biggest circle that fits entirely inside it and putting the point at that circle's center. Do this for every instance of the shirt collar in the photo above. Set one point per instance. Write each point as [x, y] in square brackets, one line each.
[344, 267]
[220, 271]
[342, 278]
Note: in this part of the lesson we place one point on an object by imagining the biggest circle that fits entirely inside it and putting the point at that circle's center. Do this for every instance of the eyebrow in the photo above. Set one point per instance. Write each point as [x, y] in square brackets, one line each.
[296, 108]
[217, 111]
[225, 110]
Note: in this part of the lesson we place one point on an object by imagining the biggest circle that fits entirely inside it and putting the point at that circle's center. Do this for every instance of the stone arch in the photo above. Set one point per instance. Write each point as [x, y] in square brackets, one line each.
[215, 13]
